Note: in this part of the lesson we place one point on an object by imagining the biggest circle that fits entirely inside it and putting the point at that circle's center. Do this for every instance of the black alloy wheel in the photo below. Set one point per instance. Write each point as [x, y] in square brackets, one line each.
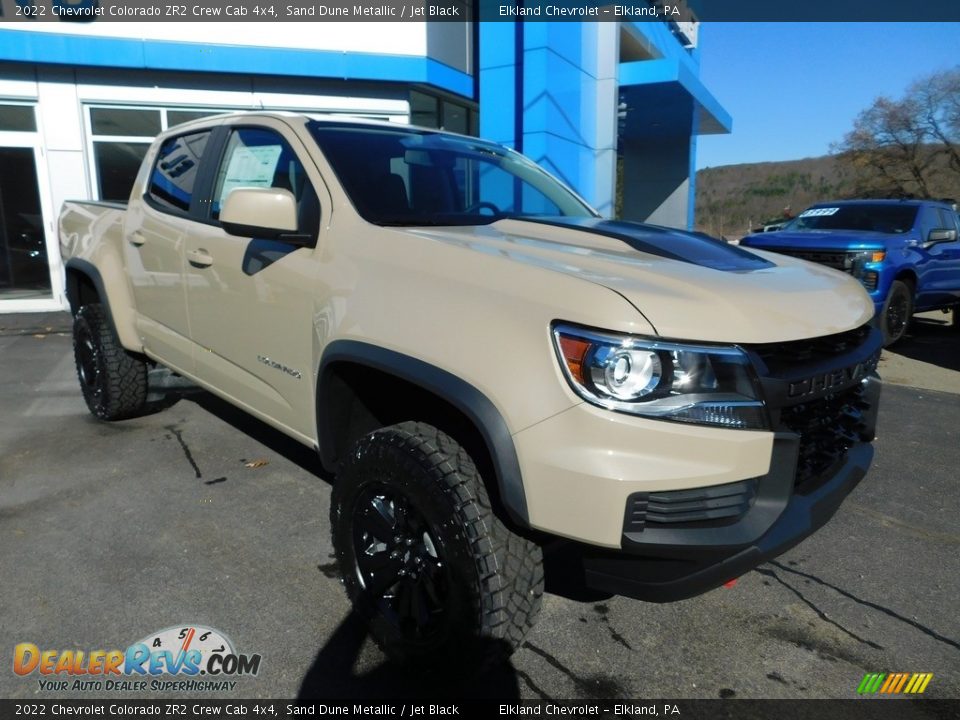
[399, 563]
[435, 573]
[88, 364]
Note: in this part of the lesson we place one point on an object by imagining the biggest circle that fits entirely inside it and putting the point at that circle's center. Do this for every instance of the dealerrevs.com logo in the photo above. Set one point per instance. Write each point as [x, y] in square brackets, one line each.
[197, 658]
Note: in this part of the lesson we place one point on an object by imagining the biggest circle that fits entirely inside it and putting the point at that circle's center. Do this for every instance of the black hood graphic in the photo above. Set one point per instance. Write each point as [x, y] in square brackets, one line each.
[694, 248]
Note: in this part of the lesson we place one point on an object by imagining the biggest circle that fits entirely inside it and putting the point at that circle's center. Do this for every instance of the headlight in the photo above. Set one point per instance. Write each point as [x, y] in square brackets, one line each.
[860, 270]
[673, 381]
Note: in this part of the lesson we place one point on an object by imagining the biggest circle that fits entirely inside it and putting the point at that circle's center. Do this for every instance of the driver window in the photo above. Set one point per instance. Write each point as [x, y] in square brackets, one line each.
[929, 220]
[261, 158]
[947, 219]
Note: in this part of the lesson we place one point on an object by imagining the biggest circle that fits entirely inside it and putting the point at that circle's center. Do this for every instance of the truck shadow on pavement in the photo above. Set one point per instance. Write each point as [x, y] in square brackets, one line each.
[301, 455]
[931, 340]
[332, 674]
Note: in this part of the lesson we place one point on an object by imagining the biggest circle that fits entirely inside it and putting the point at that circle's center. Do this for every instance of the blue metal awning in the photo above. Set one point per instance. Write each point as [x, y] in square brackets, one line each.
[664, 98]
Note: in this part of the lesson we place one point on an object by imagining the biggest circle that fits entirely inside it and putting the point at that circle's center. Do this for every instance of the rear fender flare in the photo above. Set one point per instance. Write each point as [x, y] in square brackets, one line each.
[117, 302]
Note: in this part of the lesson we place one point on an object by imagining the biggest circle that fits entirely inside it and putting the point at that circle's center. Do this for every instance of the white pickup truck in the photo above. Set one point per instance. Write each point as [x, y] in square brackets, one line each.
[484, 363]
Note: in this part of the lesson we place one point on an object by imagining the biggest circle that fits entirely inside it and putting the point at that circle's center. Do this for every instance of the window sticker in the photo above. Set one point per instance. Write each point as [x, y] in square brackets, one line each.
[819, 212]
[250, 167]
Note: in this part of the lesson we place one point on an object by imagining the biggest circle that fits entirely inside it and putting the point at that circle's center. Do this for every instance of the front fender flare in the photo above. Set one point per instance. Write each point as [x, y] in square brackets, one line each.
[476, 406]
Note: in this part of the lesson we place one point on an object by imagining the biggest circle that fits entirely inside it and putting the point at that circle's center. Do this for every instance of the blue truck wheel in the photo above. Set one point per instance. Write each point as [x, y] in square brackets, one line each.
[896, 313]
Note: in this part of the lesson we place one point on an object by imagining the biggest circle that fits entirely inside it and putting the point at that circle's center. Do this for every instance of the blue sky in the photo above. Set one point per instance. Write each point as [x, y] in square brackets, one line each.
[793, 88]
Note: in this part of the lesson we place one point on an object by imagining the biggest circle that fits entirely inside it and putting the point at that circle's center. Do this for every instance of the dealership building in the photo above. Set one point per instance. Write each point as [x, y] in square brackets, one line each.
[596, 103]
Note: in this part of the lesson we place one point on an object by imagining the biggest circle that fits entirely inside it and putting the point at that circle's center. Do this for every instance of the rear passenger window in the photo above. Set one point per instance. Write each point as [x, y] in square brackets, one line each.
[175, 171]
[261, 158]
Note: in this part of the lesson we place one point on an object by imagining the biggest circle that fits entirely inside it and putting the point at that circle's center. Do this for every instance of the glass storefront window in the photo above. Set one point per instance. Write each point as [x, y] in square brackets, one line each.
[125, 122]
[117, 164]
[177, 117]
[17, 118]
[24, 272]
[455, 118]
[424, 110]
[432, 112]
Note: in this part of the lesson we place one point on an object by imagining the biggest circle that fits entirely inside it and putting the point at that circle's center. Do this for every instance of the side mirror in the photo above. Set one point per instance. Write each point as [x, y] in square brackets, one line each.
[939, 235]
[269, 213]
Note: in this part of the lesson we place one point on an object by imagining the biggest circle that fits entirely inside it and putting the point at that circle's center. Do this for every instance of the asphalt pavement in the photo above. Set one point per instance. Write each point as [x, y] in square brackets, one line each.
[201, 515]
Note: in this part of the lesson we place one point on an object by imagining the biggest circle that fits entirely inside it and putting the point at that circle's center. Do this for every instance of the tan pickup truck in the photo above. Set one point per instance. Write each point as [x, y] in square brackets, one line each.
[488, 367]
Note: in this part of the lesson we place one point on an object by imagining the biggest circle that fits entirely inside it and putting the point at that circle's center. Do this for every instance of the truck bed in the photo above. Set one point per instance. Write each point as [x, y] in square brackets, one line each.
[84, 224]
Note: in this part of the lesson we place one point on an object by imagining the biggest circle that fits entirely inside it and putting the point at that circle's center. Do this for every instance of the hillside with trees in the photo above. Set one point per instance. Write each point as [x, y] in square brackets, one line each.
[909, 147]
[732, 199]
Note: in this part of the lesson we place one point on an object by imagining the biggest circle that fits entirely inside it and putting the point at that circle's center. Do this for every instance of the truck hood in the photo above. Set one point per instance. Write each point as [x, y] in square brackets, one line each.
[688, 286]
[818, 240]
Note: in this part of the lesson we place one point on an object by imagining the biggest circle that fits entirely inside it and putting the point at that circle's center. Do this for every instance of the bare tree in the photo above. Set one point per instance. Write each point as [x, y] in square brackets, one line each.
[937, 100]
[900, 146]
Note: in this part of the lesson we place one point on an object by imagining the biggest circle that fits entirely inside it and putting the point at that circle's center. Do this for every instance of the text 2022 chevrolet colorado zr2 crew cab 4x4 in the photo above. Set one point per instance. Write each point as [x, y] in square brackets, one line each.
[482, 361]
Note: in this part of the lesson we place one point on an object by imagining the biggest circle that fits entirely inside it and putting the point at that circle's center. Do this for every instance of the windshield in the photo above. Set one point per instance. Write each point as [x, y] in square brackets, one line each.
[856, 216]
[407, 176]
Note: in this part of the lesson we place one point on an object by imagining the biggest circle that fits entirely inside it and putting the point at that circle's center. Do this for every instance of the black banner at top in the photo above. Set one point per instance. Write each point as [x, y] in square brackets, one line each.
[678, 12]
[826, 11]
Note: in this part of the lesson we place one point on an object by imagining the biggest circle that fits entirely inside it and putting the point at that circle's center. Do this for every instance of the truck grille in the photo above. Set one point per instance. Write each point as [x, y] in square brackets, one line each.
[799, 375]
[698, 507]
[838, 260]
[781, 357]
[828, 428]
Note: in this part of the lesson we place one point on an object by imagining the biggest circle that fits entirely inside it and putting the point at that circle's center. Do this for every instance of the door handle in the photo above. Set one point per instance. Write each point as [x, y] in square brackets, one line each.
[137, 238]
[199, 258]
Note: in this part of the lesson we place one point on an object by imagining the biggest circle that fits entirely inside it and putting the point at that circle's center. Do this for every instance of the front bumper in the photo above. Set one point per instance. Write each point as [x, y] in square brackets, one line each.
[668, 565]
[580, 466]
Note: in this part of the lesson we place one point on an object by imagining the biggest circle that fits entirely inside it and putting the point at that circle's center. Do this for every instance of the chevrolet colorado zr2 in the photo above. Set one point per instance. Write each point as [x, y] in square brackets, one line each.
[485, 365]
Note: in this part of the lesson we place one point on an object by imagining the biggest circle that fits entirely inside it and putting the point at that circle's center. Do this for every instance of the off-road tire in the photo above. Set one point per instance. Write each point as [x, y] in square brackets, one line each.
[897, 312]
[494, 576]
[113, 381]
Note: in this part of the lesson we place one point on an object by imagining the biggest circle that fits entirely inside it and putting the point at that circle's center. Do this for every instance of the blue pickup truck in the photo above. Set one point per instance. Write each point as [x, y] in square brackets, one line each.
[905, 252]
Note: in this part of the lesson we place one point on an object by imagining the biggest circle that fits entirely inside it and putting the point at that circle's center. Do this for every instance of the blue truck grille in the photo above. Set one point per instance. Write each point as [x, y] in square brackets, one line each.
[836, 259]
